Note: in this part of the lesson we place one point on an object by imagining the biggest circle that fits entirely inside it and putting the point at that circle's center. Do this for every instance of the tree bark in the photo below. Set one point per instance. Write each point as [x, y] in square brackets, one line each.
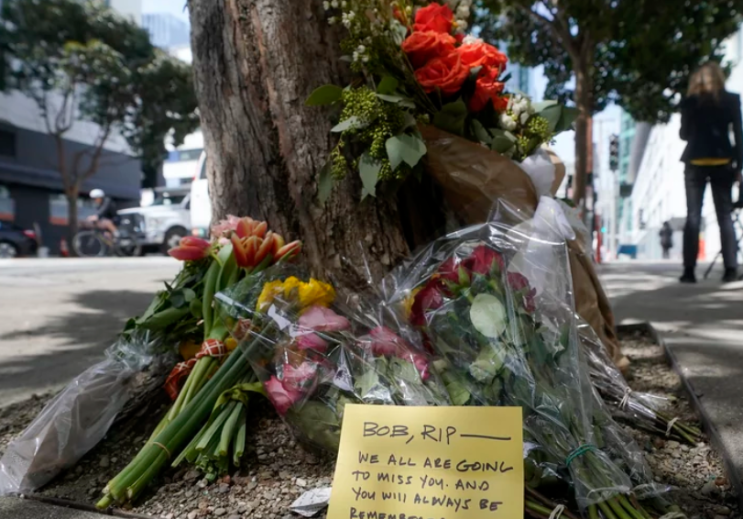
[255, 63]
[583, 134]
[72, 220]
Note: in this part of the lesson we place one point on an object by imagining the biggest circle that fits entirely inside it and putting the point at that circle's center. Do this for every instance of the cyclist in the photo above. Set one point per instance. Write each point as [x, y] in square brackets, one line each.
[106, 215]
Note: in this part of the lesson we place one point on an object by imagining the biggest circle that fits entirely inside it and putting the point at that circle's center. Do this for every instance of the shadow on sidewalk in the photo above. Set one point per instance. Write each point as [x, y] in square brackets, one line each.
[78, 337]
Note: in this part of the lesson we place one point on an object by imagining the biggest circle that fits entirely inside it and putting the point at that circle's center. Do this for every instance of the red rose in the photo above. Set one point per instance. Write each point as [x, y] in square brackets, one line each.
[486, 88]
[450, 270]
[430, 297]
[480, 54]
[445, 73]
[481, 260]
[500, 103]
[517, 281]
[434, 17]
[421, 47]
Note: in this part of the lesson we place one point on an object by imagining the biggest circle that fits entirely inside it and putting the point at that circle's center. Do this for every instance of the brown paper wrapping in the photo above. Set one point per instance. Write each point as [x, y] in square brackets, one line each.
[473, 178]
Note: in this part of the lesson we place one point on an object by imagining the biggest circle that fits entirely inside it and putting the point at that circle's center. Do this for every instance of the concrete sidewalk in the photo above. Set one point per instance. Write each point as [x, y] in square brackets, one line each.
[702, 326]
[15, 508]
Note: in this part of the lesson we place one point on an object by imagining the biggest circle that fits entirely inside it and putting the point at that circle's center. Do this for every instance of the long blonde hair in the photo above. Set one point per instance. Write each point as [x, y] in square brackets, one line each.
[709, 79]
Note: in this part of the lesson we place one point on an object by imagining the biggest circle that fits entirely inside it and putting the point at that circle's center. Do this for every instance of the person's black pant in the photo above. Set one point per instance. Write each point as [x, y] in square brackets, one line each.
[666, 252]
[721, 178]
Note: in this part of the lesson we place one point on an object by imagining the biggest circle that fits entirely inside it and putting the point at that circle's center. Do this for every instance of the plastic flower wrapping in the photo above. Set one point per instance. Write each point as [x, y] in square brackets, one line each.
[316, 351]
[494, 305]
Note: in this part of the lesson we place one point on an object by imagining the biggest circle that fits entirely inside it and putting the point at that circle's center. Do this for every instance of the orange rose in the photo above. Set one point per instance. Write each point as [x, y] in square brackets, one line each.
[421, 47]
[434, 17]
[446, 73]
[486, 88]
[481, 54]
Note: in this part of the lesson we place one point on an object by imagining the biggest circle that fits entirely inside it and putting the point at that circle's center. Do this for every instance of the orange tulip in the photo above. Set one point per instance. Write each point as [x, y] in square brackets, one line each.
[289, 250]
[244, 227]
[244, 250]
[265, 247]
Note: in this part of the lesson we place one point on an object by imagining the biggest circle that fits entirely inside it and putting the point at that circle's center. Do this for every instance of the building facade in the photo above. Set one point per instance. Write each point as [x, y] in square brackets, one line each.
[166, 30]
[31, 189]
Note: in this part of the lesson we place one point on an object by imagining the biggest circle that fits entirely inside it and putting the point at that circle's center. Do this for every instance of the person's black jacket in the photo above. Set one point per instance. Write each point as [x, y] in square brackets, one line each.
[107, 209]
[705, 125]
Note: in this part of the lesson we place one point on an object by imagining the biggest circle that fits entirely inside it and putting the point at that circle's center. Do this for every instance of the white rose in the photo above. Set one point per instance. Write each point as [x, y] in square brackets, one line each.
[334, 3]
[507, 122]
[462, 25]
[326, 5]
[470, 40]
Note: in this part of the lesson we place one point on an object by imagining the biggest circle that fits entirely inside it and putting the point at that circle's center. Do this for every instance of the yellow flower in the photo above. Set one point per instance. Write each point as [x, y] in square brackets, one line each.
[290, 284]
[230, 343]
[316, 293]
[408, 302]
[269, 292]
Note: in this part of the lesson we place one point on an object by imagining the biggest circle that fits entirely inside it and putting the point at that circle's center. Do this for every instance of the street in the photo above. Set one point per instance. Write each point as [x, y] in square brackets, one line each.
[59, 315]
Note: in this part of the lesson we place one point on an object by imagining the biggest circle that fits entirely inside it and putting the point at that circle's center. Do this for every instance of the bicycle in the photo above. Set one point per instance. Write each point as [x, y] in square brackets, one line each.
[94, 242]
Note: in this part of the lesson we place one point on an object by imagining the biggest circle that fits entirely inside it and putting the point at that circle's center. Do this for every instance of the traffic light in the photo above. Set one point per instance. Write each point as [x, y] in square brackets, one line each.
[614, 153]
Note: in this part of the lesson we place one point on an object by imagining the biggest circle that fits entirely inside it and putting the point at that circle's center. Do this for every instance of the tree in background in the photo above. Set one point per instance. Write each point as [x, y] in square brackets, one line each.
[636, 53]
[80, 61]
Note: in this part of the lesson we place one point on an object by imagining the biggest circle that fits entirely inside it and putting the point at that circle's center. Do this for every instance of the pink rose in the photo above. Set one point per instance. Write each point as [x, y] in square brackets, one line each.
[281, 396]
[294, 377]
[311, 341]
[385, 342]
[323, 319]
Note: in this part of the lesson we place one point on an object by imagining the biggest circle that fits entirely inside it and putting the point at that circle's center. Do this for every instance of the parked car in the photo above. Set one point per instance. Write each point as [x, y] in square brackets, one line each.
[160, 226]
[15, 241]
[201, 206]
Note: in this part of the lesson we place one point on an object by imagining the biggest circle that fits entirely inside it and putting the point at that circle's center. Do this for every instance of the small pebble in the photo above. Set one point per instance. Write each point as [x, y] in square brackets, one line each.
[104, 462]
[219, 512]
[301, 482]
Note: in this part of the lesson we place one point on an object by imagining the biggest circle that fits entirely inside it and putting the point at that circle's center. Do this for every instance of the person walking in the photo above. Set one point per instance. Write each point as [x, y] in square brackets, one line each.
[708, 112]
[666, 239]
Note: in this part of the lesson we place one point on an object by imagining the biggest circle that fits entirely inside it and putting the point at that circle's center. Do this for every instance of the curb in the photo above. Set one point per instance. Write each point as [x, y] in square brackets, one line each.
[707, 424]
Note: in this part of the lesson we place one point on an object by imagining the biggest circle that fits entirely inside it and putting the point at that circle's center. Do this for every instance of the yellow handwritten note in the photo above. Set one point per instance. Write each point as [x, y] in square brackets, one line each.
[429, 463]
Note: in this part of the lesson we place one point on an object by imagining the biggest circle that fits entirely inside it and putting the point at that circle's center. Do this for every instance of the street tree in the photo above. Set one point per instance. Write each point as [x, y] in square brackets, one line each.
[80, 61]
[255, 64]
[636, 53]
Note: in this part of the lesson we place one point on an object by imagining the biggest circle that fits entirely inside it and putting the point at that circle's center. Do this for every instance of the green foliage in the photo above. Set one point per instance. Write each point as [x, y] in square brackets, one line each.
[81, 61]
[636, 53]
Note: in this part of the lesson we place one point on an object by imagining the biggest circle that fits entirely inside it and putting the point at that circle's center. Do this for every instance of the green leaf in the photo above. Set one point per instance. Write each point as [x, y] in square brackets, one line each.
[189, 294]
[369, 169]
[451, 117]
[405, 148]
[366, 382]
[538, 107]
[502, 140]
[324, 95]
[569, 115]
[352, 122]
[325, 183]
[390, 98]
[488, 315]
[553, 114]
[480, 133]
[387, 85]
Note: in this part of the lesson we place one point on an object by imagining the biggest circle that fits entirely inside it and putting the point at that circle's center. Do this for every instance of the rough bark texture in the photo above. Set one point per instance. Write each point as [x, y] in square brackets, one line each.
[255, 62]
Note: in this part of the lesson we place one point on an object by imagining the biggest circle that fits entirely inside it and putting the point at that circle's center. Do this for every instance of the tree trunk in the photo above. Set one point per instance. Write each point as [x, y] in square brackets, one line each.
[255, 63]
[583, 133]
[72, 221]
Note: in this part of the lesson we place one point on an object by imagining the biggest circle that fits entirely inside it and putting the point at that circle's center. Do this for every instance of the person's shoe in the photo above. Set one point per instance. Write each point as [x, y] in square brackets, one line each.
[730, 275]
[688, 276]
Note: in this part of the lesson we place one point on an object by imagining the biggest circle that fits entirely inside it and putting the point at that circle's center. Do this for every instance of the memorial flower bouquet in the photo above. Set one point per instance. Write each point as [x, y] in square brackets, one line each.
[500, 341]
[313, 359]
[414, 65]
